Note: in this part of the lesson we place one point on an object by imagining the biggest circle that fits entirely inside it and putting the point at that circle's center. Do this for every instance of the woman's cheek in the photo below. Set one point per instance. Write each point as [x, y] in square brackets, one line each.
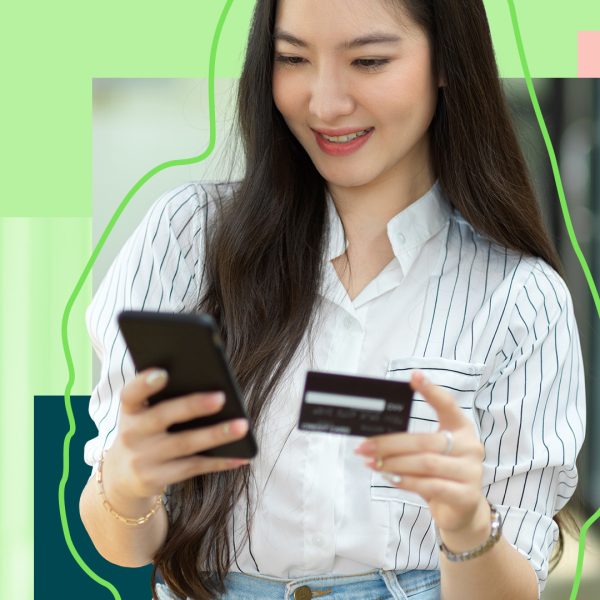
[280, 89]
[277, 89]
[286, 92]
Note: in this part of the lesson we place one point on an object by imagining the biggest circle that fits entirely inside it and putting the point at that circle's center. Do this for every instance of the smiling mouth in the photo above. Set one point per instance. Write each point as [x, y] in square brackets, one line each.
[343, 139]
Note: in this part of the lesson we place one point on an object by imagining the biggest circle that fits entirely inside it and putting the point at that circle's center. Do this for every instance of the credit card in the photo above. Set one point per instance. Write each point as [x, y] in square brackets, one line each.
[352, 405]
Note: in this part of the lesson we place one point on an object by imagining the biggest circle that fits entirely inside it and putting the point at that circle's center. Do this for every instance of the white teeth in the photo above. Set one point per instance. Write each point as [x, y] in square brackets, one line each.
[342, 139]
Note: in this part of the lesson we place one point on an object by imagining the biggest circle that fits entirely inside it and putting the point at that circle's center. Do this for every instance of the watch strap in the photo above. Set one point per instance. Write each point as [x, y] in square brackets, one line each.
[495, 534]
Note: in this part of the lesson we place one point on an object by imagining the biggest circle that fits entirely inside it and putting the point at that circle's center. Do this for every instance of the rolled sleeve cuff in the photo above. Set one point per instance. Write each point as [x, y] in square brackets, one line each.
[533, 535]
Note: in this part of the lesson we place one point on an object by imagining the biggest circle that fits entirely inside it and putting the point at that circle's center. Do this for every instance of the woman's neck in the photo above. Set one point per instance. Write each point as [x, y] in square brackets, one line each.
[366, 210]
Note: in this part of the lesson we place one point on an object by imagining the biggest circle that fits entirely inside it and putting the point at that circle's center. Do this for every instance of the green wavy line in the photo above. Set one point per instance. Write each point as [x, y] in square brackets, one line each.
[83, 277]
[574, 243]
[555, 170]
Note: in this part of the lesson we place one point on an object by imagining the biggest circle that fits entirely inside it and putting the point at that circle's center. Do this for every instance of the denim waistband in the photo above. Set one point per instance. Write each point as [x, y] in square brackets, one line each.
[410, 581]
[402, 584]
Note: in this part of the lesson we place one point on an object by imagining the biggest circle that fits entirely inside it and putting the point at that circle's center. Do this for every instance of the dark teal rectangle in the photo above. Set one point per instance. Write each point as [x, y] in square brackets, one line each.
[56, 574]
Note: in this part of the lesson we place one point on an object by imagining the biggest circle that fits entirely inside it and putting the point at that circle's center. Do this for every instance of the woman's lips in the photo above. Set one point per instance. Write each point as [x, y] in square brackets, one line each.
[342, 148]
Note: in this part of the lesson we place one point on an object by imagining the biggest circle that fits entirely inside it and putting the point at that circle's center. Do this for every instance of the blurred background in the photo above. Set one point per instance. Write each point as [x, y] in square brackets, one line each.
[140, 123]
[571, 109]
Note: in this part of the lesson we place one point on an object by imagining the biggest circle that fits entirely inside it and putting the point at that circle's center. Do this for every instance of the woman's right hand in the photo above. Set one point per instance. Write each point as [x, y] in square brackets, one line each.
[145, 457]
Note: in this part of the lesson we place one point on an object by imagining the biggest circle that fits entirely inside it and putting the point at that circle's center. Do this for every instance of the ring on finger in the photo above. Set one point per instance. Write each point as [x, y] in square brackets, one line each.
[379, 462]
[449, 441]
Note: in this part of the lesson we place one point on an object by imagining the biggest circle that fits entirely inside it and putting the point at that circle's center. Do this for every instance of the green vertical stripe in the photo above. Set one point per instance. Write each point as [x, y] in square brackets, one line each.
[39, 261]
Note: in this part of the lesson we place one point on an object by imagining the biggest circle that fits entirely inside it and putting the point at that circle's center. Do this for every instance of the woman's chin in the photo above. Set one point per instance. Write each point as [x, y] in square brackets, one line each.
[346, 180]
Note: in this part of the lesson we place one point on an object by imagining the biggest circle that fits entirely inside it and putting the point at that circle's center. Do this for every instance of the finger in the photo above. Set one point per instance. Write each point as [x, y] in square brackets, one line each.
[179, 470]
[186, 443]
[158, 418]
[429, 465]
[393, 444]
[449, 414]
[134, 397]
[192, 466]
[453, 493]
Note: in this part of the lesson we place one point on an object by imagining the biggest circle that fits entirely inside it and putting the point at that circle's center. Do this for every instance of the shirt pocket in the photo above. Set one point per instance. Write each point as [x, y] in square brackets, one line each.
[459, 378]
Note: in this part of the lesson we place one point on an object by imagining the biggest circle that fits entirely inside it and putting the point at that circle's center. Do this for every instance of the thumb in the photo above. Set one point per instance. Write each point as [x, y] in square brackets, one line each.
[449, 414]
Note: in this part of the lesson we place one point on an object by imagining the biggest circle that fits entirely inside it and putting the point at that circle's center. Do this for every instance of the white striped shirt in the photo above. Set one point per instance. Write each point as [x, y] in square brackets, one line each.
[492, 326]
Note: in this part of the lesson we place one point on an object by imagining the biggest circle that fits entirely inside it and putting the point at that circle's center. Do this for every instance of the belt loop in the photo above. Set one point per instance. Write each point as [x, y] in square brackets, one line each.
[391, 581]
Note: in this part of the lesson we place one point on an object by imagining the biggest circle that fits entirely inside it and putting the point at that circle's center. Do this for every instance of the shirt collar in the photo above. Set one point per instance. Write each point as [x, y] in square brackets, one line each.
[408, 230]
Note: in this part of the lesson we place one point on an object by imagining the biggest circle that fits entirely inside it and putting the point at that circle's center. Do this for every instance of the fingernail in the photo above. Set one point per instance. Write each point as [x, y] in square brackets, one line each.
[238, 462]
[392, 477]
[420, 377]
[218, 398]
[157, 377]
[366, 448]
[375, 463]
[238, 426]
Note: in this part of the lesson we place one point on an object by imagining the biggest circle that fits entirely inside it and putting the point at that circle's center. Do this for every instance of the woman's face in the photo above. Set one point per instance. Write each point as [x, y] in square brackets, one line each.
[348, 67]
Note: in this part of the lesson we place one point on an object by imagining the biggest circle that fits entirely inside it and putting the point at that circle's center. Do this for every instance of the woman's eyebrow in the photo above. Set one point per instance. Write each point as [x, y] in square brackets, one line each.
[364, 40]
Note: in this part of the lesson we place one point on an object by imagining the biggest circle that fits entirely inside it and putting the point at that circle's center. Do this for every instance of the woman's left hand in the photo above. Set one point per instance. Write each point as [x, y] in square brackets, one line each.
[447, 475]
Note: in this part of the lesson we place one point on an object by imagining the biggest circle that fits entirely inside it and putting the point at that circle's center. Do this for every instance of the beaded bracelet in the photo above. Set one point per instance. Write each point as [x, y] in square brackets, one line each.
[108, 506]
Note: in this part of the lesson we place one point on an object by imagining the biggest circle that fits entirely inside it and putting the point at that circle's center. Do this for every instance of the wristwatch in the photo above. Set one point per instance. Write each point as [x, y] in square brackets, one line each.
[495, 534]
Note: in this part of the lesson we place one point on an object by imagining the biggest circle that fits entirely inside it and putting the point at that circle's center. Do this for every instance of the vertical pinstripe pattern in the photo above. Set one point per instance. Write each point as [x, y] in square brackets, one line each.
[155, 271]
[493, 327]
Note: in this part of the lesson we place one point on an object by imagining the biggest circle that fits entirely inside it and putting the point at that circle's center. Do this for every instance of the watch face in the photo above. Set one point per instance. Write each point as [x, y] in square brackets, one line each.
[496, 523]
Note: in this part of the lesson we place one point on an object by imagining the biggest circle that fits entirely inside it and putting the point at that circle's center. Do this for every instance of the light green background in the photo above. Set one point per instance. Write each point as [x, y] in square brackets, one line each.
[53, 50]
[50, 53]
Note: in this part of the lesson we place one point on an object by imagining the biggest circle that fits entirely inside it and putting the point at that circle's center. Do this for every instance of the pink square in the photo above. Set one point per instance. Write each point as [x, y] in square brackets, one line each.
[588, 44]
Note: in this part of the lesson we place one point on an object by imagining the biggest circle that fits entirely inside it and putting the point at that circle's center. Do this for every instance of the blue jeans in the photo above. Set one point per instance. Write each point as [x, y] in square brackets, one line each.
[376, 585]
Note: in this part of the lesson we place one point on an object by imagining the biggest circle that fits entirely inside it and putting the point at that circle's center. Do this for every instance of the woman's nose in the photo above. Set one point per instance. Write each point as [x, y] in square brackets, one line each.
[330, 98]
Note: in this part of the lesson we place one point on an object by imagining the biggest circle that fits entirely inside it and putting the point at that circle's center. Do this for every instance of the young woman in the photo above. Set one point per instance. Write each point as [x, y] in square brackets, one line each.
[386, 226]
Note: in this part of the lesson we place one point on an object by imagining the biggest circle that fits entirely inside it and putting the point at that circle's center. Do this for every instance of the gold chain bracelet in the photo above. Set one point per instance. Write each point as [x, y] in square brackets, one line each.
[108, 506]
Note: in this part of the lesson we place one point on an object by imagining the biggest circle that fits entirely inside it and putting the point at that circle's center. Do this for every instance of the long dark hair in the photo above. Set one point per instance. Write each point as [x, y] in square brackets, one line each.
[264, 254]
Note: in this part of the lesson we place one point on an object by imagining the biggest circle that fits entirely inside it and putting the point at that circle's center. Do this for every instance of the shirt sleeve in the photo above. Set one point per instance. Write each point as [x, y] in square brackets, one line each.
[157, 269]
[531, 414]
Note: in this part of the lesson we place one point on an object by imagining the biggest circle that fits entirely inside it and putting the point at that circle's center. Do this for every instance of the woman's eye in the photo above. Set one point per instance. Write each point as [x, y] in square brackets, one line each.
[367, 64]
[371, 64]
[289, 60]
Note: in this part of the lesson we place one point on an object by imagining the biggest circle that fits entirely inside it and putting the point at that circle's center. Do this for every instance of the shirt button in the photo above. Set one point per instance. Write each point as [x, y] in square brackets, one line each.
[401, 238]
[348, 322]
[318, 540]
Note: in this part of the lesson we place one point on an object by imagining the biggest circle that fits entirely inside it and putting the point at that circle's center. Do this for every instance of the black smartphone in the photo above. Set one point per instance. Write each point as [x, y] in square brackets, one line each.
[189, 348]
